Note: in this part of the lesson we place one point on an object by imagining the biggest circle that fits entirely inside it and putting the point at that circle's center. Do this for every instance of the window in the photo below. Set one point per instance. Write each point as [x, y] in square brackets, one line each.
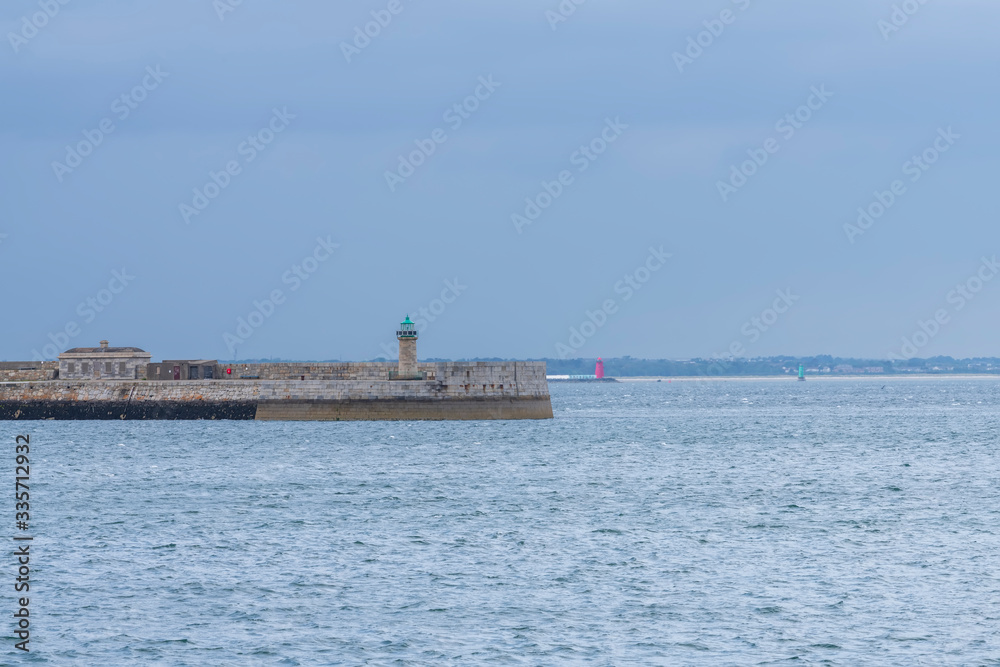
[107, 367]
[122, 368]
[85, 367]
[70, 367]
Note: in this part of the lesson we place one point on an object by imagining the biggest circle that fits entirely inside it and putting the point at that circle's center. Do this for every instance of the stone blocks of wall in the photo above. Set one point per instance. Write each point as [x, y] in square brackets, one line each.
[479, 390]
[122, 399]
[404, 409]
[27, 375]
[311, 371]
[28, 371]
[521, 377]
[29, 365]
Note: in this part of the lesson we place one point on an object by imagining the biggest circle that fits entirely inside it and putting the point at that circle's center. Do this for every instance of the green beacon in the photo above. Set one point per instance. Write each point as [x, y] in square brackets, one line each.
[802, 373]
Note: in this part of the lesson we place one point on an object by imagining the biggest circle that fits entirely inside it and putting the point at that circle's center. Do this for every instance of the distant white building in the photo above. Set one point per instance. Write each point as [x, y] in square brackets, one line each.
[103, 363]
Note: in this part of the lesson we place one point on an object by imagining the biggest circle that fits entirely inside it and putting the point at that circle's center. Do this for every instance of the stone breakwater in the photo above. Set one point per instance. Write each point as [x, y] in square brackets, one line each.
[458, 391]
[23, 371]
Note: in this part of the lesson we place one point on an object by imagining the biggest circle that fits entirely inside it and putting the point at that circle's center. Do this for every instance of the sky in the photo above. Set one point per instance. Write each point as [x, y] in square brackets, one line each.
[526, 179]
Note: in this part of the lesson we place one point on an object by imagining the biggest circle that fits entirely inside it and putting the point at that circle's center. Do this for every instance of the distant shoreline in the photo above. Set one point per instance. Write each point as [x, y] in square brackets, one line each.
[813, 378]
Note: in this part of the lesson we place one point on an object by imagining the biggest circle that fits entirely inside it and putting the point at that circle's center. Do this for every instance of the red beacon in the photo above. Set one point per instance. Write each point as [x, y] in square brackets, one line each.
[599, 371]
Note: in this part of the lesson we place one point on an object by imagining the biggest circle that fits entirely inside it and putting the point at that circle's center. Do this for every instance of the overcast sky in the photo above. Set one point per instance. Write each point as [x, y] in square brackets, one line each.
[334, 172]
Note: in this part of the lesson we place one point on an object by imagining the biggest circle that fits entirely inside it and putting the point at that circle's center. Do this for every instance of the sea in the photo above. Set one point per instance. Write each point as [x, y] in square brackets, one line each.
[729, 522]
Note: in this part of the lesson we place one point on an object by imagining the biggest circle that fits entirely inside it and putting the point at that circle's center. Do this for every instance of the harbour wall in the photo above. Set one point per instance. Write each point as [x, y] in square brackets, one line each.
[488, 372]
[513, 390]
[28, 371]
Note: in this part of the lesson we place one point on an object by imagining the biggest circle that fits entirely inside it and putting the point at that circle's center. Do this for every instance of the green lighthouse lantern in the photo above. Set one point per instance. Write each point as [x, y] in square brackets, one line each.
[406, 329]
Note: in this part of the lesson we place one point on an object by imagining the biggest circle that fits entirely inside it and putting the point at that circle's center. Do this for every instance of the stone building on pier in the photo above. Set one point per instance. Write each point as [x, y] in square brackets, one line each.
[103, 363]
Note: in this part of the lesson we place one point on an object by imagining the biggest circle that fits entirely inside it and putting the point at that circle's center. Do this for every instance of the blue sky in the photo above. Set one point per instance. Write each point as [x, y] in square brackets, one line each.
[641, 126]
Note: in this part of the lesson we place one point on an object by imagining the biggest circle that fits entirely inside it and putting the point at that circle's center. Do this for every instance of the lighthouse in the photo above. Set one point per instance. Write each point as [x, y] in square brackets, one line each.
[407, 336]
[599, 371]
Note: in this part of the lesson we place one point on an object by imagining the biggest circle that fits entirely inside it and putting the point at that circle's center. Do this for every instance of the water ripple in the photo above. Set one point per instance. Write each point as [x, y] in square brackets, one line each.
[659, 523]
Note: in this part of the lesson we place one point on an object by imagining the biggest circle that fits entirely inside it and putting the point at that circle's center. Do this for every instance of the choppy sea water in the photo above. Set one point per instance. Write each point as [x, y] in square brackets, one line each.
[673, 523]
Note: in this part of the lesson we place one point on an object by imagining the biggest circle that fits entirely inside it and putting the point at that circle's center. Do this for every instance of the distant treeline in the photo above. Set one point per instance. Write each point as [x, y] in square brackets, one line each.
[822, 365]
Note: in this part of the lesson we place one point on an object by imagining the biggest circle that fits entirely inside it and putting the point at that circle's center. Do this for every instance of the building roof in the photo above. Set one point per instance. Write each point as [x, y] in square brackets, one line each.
[135, 351]
[104, 349]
